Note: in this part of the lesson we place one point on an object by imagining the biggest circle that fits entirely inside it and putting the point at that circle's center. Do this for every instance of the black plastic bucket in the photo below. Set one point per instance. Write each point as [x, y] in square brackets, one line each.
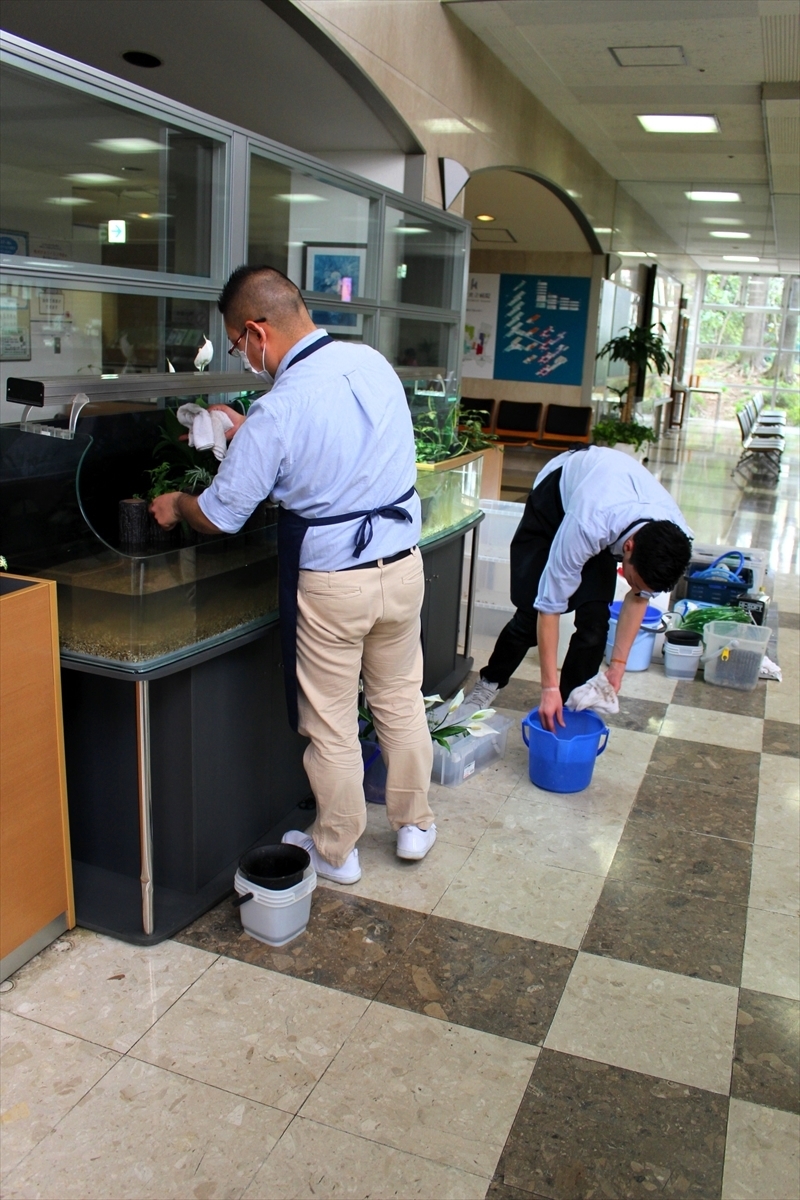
[275, 867]
[682, 637]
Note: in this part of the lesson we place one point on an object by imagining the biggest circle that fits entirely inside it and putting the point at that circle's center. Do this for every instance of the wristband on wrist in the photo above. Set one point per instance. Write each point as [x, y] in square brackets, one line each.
[624, 661]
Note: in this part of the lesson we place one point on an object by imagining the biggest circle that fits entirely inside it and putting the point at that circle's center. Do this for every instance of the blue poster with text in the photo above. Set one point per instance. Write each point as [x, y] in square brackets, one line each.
[541, 328]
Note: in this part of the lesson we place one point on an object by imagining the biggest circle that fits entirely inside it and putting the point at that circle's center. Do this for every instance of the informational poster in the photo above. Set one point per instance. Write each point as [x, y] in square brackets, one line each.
[480, 326]
[15, 329]
[530, 328]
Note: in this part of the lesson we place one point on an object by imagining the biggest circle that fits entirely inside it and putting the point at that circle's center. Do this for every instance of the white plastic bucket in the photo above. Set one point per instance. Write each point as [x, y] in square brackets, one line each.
[275, 918]
[681, 662]
[644, 646]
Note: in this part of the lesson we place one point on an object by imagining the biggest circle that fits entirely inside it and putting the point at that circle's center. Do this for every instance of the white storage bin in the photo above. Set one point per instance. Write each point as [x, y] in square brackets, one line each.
[275, 918]
[734, 653]
[498, 527]
[469, 755]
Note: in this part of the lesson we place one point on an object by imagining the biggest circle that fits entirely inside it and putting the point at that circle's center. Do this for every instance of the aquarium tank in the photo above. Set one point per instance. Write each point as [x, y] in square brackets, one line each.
[140, 603]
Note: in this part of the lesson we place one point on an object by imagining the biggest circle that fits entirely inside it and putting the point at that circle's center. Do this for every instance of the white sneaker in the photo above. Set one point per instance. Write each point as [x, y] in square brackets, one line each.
[413, 842]
[348, 872]
[482, 694]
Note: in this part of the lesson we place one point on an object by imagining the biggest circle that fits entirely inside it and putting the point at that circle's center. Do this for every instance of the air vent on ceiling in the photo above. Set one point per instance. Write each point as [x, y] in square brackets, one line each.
[781, 106]
[780, 39]
[493, 235]
[648, 56]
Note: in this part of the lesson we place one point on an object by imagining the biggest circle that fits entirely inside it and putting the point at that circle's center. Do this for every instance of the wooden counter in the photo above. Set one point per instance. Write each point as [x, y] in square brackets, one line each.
[36, 901]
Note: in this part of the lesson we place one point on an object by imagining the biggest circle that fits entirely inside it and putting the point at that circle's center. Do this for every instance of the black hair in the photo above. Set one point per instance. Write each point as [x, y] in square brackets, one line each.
[660, 555]
[266, 289]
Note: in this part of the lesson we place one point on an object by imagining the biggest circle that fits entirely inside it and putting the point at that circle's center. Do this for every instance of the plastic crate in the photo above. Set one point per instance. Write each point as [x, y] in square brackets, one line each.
[717, 591]
[469, 755]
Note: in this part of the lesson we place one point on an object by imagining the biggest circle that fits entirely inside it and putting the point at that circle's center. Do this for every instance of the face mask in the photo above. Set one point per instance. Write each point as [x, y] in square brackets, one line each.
[263, 373]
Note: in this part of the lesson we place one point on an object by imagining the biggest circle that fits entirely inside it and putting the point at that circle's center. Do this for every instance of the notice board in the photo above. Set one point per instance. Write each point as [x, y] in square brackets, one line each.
[529, 328]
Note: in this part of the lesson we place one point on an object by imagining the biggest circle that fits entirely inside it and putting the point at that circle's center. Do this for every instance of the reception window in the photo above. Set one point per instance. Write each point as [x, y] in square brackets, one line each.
[88, 181]
[420, 261]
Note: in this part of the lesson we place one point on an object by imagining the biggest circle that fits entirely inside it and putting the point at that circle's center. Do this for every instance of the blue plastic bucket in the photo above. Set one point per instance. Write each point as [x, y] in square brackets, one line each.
[644, 644]
[564, 761]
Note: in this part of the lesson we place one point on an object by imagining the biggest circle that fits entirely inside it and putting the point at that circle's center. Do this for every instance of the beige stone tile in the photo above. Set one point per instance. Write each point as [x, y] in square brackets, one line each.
[783, 700]
[627, 753]
[772, 954]
[257, 1033]
[144, 1132]
[43, 1074]
[103, 990]
[463, 814]
[444, 1092]
[712, 728]
[775, 880]
[498, 889]
[762, 1153]
[415, 885]
[648, 685]
[607, 798]
[556, 833]
[315, 1162]
[787, 592]
[649, 1021]
[778, 812]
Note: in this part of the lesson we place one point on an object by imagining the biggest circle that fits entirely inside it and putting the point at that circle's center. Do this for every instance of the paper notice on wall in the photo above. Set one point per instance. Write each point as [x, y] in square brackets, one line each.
[480, 326]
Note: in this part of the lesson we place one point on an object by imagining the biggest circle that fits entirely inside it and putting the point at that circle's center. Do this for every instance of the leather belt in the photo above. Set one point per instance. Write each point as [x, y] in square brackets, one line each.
[377, 562]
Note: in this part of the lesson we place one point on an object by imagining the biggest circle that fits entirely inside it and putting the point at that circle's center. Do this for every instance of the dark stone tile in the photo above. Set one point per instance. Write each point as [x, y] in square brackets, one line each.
[520, 694]
[586, 1129]
[491, 981]
[501, 1191]
[787, 620]
[351, 943]
[669, 931]
[697, 808]
[676, 861]
[712, 766]
[697, 694]
[781, 737]
[644, 716]
[766, 1060]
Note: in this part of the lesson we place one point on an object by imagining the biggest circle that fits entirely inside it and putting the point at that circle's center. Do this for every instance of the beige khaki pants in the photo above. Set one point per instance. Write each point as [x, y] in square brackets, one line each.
[362, 623]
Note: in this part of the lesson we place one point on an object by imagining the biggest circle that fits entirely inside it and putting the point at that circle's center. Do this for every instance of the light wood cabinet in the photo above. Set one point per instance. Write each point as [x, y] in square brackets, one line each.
[36, 900]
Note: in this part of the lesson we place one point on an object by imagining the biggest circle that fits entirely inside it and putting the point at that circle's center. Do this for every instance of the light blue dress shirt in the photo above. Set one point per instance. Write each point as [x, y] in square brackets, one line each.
[605, 493]
[333, 436]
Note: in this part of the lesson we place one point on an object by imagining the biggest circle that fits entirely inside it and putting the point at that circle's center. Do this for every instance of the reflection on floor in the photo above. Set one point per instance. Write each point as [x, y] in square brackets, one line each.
[572, 996]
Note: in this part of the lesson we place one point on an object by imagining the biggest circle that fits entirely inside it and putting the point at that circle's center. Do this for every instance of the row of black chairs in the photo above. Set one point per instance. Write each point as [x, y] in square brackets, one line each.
[762, 439]
[518, 423]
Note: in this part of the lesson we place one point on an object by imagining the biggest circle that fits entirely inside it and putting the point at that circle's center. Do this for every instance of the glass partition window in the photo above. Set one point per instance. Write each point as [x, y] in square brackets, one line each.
[418, 261]
[48, 331]
[417, 343]
[315, 233]
[748, 343]
[88, 181]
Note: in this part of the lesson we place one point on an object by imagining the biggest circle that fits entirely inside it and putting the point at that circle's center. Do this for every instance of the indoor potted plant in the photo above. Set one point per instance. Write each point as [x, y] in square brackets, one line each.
[639, 348]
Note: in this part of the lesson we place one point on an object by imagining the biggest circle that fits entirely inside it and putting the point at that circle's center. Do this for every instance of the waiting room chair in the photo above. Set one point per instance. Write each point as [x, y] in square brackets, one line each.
[483, 408]
[517, 423]
[566, 425]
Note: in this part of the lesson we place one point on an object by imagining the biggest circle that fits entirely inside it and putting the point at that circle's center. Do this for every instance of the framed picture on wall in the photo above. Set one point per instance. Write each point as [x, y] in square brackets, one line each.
[336, 271]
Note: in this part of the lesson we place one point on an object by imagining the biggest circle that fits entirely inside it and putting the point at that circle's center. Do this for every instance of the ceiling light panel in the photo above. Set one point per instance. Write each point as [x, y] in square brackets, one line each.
[733, 236]
[740, 258]
[94, 178]
[678, 123]
[721, 221]
[714, 197]
[648, 56]
[129, 145]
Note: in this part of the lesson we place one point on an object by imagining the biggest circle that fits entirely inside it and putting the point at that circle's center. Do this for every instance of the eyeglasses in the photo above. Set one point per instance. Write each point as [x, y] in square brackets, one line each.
[234, 348]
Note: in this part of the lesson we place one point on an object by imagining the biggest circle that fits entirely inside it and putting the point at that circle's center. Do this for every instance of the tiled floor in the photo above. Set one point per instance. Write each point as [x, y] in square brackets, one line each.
[588, 995]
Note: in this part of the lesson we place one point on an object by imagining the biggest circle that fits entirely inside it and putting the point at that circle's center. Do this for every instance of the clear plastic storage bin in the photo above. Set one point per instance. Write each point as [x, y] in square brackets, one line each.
[469, 755]
[734, 653]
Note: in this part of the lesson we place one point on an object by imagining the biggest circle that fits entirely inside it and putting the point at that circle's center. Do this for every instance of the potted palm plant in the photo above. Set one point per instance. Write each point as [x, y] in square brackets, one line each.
[639, 348]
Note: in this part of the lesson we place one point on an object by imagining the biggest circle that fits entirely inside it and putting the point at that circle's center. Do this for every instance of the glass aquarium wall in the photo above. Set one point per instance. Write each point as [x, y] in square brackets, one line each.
[128, 592]
[89, 181]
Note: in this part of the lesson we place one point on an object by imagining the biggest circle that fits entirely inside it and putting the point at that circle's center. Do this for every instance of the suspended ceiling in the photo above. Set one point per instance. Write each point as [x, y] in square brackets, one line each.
[717, 55]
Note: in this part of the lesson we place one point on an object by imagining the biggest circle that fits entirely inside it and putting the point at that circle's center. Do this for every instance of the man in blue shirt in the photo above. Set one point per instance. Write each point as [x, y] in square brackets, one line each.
[589, 509]
[333, 444]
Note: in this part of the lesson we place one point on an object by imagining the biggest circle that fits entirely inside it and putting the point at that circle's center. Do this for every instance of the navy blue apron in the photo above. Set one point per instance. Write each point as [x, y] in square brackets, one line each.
[291, 533]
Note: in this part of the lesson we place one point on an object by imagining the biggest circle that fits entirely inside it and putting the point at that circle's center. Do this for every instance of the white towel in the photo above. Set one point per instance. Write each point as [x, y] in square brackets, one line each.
[206, 428]
[597, 693]
[770, 670]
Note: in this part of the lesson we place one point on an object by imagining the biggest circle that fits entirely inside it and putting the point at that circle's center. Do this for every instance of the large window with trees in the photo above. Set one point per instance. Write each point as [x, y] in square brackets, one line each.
[747, 342]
